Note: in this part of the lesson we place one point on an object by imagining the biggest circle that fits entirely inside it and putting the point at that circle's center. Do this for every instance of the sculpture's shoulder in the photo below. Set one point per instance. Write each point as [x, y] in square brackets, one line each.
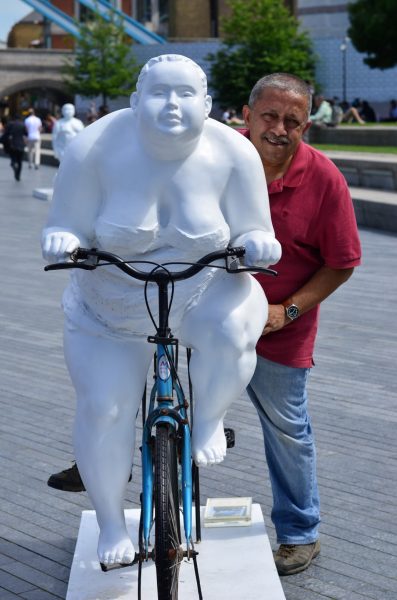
[77, 124]
[101, 135]
[230, 141]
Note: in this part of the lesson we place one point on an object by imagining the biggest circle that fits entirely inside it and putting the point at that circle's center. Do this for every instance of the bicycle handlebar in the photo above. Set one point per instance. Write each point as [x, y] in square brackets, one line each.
[160, 273]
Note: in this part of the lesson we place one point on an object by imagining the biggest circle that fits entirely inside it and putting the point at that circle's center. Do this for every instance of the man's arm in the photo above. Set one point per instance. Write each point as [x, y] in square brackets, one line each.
[317, 289]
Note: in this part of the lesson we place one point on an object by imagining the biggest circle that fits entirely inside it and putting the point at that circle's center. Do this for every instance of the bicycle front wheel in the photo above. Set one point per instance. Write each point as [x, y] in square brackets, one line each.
[167, 546]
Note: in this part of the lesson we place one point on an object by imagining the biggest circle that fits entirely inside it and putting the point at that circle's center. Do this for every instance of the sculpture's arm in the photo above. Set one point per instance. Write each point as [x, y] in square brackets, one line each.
[74, 207]
[247, 211]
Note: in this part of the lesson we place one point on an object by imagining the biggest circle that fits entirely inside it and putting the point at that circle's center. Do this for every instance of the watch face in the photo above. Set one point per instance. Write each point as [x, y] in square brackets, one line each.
[292, 312]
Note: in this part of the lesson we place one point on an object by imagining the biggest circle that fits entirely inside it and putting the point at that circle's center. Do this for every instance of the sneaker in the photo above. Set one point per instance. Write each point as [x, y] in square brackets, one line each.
[68, 480]
[291, 559]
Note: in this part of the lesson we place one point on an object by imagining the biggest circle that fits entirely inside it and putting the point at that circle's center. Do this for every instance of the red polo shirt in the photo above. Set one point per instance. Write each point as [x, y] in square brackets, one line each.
[313, 218]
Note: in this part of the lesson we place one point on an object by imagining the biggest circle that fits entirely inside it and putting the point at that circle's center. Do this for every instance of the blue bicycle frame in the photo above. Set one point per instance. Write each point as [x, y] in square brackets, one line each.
[165, 386]
[163, 391]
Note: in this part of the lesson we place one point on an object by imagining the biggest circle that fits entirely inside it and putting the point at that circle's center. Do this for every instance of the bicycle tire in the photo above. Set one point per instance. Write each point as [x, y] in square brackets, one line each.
[167, 545]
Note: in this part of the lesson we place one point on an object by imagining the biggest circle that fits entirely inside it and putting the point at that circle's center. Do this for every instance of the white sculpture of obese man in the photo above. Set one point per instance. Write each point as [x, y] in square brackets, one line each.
[65, 129]
[158, 181]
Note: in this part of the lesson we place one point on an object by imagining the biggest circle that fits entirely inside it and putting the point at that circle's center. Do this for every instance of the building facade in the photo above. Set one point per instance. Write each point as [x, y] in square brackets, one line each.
[340, 68]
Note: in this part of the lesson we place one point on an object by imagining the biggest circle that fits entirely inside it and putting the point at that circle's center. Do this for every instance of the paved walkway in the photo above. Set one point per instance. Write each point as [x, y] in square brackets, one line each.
[353, 406]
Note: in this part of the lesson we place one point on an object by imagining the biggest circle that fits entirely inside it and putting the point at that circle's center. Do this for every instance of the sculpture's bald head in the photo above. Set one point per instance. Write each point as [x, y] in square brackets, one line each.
[171, 102]
[164, 58]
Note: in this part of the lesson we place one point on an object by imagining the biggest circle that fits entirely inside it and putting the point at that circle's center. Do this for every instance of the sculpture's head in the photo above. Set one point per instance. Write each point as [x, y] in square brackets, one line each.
[68, 111]
[171, 100]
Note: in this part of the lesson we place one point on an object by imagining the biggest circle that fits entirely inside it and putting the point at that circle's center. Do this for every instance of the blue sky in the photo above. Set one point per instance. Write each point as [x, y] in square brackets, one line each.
[11, 11]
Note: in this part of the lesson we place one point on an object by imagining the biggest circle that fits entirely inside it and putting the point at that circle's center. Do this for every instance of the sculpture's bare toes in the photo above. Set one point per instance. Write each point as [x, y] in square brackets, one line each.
[115, 549]
[208, 443]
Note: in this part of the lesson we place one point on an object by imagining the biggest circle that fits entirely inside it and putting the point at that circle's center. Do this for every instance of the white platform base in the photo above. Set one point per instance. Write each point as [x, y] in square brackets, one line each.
[234, 563]
[43, 193]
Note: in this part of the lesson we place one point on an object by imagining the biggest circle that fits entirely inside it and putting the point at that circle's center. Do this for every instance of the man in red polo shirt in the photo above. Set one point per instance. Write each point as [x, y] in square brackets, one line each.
[314, 221]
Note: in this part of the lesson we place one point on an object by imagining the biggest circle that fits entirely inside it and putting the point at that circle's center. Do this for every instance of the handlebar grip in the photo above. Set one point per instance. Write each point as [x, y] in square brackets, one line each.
[59, 266]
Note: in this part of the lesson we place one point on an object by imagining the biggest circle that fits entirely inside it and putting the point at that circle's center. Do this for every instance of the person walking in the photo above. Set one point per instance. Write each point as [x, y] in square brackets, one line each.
[13, 140]
[313, 218]
[34, 126]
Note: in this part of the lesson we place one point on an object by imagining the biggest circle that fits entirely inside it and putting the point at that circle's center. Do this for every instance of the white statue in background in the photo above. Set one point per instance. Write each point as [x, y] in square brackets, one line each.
[159, 181]
[65, 129]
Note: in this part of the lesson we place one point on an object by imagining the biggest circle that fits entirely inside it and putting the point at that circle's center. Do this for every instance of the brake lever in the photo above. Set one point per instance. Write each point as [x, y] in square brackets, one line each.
[89, 264]
[233, 265]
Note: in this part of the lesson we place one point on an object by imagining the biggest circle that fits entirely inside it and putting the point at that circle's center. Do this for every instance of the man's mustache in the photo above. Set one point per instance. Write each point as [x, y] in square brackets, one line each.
[282, 139]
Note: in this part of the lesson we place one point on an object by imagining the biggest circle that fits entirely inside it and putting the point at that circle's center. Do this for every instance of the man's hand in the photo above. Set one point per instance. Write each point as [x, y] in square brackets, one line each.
[277, 319]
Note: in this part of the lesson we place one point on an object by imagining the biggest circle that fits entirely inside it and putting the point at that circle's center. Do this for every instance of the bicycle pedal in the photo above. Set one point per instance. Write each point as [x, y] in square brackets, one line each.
[114, 566]
[230, 437]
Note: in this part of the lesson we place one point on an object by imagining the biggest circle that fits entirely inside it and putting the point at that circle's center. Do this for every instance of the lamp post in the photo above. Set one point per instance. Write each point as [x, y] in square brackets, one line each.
[343, 49]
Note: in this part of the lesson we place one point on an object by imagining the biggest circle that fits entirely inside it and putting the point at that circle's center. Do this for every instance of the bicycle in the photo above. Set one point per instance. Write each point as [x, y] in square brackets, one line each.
[170, 479]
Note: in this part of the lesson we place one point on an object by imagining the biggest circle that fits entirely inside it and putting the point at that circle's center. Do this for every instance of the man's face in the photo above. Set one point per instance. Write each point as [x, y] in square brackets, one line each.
[277, 123]
[173, 101]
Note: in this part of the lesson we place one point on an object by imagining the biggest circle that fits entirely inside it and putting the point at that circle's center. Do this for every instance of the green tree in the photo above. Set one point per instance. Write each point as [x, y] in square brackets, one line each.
[373, 31]
[103, 64]
[259, 37]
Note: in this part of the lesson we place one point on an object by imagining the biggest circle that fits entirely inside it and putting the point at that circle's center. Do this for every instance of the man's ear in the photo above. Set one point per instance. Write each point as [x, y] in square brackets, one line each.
[208, 106]
[134, 100]
[246, 114]
[307, 127]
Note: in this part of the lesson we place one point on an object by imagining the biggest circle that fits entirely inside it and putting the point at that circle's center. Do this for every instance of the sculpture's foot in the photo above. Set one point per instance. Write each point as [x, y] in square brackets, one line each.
[115, 547]
[208, 443]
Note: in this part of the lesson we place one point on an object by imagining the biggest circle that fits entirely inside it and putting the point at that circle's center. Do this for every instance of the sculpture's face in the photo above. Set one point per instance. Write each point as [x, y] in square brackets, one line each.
[172, 101]
[68, 111]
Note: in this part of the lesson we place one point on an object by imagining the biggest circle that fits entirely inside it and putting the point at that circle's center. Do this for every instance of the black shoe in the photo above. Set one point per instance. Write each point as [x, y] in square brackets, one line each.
[68, 480]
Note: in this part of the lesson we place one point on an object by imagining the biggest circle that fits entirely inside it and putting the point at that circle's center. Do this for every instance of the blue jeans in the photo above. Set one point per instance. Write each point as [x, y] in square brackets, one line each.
[279, 394]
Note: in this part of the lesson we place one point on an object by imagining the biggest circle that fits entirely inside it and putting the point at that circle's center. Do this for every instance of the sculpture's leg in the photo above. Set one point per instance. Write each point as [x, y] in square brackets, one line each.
[109, 378]
[222, 330]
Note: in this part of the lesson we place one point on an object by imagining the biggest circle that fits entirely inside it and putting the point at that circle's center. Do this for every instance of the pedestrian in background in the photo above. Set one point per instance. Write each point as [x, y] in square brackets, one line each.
[34, 127]
[13, 140]
[323, 112]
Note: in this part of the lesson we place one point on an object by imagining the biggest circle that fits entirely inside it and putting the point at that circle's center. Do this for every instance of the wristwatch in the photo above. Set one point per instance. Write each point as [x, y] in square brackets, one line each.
[291, 310]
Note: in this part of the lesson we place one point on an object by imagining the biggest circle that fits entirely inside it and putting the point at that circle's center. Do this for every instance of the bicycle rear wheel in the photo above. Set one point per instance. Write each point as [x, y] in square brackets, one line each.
[167, 546]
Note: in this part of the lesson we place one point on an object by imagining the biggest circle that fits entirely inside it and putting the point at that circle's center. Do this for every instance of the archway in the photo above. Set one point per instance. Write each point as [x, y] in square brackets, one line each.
[44, 95]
